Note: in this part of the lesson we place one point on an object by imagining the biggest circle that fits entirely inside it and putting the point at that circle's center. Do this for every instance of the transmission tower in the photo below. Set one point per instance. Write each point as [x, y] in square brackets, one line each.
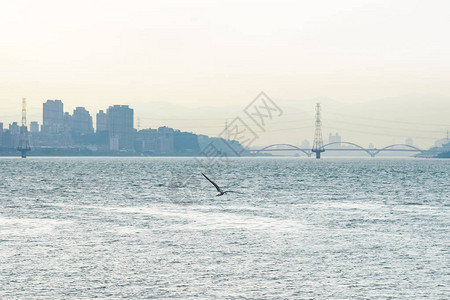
[226, 131]
[318, 141]
[24, 143]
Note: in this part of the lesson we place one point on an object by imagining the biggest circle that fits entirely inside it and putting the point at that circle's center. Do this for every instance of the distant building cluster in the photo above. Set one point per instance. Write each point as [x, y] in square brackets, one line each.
[335, 140]
[114, 133]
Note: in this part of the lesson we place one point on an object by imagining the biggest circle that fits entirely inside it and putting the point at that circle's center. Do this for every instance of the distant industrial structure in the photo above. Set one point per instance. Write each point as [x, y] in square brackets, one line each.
[24, 142]
[318, 141]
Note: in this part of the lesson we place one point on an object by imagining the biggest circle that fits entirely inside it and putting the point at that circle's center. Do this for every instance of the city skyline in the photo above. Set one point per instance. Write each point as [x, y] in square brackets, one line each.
[62, 133]
[424, 127]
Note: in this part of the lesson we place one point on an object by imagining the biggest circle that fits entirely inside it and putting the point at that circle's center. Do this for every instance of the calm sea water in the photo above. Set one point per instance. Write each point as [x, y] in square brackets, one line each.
[153, 228]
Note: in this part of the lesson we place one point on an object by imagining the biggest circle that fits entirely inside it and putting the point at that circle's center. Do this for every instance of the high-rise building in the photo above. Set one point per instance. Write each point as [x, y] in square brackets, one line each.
[14, 130]
[165, 135]
[67, 122]
[7, 139]
[147, 141]
[335, 139]
[81, 121]
[34, 127]
[185, 142]
[305, 144]
[114, 143]
[120, 126]
[53, 117]
[101, 121]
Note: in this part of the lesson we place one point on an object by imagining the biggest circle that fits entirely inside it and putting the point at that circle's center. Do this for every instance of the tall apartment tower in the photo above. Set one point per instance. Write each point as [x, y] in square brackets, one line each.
[67, 122]
[81, 121]
[34, 127]
[121, 127]
[101, 121]
[53, 117]
[335, 139]
[165, 135]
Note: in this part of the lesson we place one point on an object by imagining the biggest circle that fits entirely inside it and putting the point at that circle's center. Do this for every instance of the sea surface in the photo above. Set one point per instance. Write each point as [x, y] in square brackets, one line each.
[76, 228]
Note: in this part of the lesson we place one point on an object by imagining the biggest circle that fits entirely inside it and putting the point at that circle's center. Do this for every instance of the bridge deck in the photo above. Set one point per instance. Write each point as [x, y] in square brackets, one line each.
[337, 149]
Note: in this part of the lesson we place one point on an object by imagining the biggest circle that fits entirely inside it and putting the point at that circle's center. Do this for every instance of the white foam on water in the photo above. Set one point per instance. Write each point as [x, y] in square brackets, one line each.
[28, 226]
[201, 218]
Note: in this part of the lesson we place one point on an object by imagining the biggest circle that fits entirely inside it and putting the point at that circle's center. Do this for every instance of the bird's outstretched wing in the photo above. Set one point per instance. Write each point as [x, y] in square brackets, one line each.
[213, 183]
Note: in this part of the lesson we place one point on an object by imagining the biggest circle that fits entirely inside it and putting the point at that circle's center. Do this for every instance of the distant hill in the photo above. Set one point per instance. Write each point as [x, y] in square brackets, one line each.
[424, 118]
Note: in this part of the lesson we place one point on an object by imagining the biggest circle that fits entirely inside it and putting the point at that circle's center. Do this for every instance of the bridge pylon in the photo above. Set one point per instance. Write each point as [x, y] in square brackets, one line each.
[318, 141]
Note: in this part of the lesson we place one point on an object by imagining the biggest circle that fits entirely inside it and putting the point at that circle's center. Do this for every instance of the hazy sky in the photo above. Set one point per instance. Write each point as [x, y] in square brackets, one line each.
[97, 53]
[223, 53]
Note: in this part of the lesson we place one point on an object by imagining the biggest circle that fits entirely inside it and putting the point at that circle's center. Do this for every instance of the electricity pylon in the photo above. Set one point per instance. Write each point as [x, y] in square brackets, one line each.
[318, 141]
[24, 143]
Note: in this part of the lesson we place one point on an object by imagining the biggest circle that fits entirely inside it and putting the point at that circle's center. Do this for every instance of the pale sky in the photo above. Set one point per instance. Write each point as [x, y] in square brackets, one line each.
[216, 53]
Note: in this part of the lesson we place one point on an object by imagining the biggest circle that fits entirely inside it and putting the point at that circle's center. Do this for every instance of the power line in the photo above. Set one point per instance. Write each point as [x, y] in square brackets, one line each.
[251, 125]
[290, 129]
[213, 119]
[384, 120]
[287, 129]
[380, 134]
[382, 127]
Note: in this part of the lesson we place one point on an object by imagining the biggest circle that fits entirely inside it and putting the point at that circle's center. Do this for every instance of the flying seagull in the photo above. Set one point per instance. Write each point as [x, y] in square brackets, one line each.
[221, 192]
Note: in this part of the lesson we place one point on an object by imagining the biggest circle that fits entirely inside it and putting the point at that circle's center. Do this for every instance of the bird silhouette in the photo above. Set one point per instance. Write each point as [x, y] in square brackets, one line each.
[221, 192]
